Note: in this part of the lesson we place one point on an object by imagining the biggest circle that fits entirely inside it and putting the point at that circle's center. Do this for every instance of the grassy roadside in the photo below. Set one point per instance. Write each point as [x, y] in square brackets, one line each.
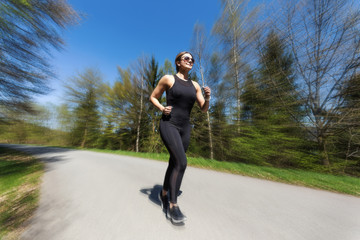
[19, 190]
[340, 184]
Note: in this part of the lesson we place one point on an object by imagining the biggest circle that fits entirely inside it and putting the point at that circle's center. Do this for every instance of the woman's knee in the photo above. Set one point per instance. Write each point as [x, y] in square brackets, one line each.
[182, 165]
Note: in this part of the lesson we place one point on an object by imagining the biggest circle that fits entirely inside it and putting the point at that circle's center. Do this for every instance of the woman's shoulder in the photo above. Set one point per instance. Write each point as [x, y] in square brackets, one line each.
[196, 84]
[168, 79]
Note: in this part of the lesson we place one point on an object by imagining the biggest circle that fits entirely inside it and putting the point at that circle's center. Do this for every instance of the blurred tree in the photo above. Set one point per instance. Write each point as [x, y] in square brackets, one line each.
[168, 68]
[140, 72]
[347, 140]
[126, 102]
[199, 49]
[65, 118]
[29, 30]
[221, 129]
[199, 133]
[83, 93]
[114, 103]
[325, 43]
[153, 74]
[271, 105]
[28, 128]
[134, 86]
[280, 100]
[237, 31]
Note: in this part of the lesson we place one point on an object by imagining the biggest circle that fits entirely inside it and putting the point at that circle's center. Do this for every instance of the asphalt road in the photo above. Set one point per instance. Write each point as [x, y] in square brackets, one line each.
[87, 195]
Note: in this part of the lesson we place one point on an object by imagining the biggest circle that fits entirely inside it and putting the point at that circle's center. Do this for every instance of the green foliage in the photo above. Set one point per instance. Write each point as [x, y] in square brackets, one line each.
[270, 92]
[84, 94]
[345, 142]
[29, 133]
[29, 31]
[168, 68]
[199, 141]
[221, 131]
[151, 141]
[271, 147]
[133, 118]
[270, 134]
[125, 102]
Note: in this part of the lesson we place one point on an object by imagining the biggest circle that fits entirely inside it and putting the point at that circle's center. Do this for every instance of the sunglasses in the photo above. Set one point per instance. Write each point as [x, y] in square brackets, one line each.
[187, 59]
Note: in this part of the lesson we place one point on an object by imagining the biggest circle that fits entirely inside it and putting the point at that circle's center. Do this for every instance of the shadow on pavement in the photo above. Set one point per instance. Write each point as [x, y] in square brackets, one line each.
[39, 151]
[36, 149]
[153, 193]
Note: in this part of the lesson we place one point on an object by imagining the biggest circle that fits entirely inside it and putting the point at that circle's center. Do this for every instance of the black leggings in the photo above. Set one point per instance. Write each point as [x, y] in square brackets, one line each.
[176, 139]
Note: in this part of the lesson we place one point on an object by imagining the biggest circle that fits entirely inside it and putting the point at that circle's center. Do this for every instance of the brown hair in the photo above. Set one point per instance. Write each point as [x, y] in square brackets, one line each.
[178, 57]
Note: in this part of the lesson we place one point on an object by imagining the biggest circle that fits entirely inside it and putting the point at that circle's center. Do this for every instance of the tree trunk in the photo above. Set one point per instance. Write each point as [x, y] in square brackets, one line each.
[324, 154]
[139, 120]
[84, 139]
[138, 135]
[237, 84]
[208, 117]
[210, 136]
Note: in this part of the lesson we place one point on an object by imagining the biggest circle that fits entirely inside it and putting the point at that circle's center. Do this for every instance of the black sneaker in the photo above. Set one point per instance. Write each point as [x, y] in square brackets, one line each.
[176, 215]
[164, 201]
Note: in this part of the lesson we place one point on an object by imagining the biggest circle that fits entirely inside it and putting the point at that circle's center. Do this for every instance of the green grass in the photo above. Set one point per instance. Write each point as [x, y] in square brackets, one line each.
[335, 183]
[19, 190]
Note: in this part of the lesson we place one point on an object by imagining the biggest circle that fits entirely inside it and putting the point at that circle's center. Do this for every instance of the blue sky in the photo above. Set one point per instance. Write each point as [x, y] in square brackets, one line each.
[116, 33]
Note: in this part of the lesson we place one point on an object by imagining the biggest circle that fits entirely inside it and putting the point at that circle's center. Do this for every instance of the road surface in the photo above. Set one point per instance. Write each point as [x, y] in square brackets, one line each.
[87, 195]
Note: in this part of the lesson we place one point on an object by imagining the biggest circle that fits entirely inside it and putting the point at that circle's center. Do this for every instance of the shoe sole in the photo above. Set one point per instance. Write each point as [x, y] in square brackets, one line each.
[177, 222]
[168, 216]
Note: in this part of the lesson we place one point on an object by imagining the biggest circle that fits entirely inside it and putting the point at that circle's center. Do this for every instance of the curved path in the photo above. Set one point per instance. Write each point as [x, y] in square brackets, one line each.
[88, 195]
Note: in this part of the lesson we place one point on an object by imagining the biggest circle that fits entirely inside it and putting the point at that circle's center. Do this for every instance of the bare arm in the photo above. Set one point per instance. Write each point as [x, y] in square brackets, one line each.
[202, 102]
[165, 83]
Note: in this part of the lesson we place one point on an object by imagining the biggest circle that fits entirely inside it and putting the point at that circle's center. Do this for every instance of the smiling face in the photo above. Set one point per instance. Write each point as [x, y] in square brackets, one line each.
[184, 61]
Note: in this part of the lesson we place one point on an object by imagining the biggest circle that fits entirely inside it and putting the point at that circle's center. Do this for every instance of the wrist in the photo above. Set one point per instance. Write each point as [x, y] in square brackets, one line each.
[207, 98]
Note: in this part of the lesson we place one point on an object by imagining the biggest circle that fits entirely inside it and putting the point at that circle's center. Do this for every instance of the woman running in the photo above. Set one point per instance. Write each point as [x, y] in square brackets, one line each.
[181, 94]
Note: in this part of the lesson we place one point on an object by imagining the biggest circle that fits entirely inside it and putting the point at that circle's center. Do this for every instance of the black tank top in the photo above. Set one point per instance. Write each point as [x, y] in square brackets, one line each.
[181, 96]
